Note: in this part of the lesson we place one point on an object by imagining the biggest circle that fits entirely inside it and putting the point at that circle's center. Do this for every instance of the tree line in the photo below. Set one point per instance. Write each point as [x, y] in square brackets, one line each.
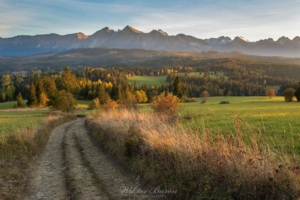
[44, 89]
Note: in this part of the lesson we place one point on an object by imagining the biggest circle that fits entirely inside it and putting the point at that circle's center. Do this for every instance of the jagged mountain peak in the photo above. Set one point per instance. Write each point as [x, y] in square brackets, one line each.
[130, 28]
[162, 32]
[269, 40]
[157, 33]
[282, 40]
[82, 36]
[106, 29]
[219, 40]
[296, 39]
[130, 37]
[241, 38]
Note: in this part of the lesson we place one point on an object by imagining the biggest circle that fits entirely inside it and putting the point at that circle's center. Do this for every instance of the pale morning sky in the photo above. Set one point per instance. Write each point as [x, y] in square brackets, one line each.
[252, 19]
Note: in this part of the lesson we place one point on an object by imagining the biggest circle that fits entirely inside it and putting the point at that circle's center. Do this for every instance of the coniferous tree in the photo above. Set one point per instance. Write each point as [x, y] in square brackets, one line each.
[177, 87]
[20, 102]
[39, 89]
[43, 100]
[64, 101]
[32, 100]
[68, 80]
[101, 94]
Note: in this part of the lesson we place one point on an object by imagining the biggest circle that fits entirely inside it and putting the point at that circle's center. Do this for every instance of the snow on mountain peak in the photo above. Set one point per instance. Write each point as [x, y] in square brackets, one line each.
[162, 32]
[219, 40]
[242, 38]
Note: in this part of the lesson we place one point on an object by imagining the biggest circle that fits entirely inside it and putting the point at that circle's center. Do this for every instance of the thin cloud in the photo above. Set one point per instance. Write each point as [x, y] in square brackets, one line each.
[256, 19]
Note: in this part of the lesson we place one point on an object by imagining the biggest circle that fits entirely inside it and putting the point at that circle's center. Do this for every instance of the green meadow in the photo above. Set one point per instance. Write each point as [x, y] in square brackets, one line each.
[19, 119]
[149, 80]
[272, 114]
[7, 105]
[276, 121]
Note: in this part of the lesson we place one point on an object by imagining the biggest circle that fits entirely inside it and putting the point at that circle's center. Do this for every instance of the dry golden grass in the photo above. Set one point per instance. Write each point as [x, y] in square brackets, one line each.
[18, 148]
[197, 163]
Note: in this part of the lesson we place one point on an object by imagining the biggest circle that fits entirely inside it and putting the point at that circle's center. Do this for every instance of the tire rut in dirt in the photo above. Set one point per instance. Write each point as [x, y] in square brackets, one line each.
[81, 181]
[48, 178]
[117, 184]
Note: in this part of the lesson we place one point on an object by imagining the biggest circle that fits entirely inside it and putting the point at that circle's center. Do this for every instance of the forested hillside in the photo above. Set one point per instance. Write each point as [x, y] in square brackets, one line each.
[220, 77]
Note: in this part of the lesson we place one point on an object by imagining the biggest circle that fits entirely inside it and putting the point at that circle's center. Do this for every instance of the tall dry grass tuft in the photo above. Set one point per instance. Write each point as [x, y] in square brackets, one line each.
[197, 163]
[18, 148]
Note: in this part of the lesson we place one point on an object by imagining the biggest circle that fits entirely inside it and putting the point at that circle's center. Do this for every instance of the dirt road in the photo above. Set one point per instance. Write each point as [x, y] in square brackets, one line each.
[72, 167]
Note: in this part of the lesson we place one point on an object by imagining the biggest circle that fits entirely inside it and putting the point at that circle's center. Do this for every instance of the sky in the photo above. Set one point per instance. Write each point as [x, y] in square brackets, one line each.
[252, 19]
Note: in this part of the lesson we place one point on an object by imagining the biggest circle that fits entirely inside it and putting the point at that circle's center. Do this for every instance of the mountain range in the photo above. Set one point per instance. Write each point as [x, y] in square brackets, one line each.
[131, 38]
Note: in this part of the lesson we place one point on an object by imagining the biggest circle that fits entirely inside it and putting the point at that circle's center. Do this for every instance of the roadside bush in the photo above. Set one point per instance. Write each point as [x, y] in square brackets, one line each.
[94, 104]
[166, 104]
[110, 105]
[288, 94]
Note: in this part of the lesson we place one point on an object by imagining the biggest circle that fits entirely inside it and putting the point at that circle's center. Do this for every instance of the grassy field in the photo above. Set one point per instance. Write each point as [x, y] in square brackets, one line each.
[82, 104]
[276, 120]
[248, 149]
[273, 114]
[13, 120]
[149, 80]
[161, 80]
[7, 105]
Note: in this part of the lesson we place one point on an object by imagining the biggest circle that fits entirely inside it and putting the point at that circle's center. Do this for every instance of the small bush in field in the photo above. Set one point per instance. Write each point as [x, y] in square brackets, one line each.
[270, 92]
[188, 100]
[94, 104]
[224, 102]
[110, 105]
[204, 96]
[167, 104]
[289, 94]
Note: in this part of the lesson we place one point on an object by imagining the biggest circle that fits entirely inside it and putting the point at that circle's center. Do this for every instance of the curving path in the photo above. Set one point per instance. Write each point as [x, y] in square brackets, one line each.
[72, 167]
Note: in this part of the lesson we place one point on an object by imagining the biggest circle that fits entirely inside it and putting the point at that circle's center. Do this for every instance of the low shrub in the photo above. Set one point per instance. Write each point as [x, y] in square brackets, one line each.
[94, 104]
[189, 100]
[224, 102]
[166, 104]
[110, 105]
[289, 94]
